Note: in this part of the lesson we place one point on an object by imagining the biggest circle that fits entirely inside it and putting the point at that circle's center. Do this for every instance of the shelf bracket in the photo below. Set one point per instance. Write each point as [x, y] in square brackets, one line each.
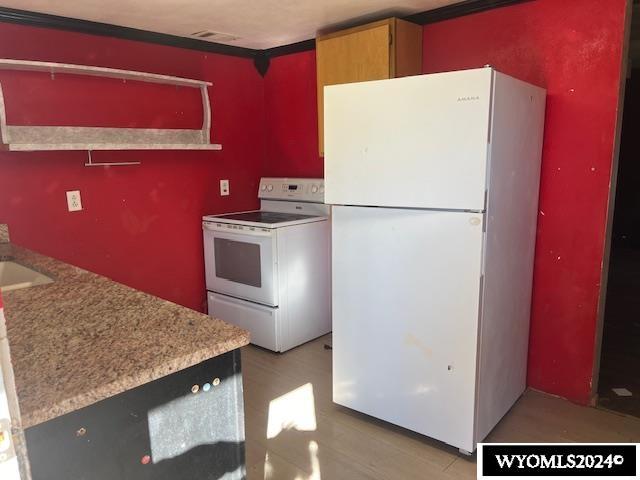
[206, 114]
[91, 163]
[4, 131]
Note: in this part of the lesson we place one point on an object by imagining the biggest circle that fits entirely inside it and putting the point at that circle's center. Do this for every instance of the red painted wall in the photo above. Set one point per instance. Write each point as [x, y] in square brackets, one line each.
[574, 50]
[140, 225]
[291, 117]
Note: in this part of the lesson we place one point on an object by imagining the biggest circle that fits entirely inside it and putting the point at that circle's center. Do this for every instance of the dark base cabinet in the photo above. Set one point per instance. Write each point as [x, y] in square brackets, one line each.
[160, 430]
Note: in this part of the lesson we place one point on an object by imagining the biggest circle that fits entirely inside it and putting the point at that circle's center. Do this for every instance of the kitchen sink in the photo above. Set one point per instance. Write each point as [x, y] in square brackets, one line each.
[14, 276]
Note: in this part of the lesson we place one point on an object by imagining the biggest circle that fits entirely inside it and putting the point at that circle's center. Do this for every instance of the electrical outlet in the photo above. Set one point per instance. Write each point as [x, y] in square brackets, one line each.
[74, 202]
[224, 187]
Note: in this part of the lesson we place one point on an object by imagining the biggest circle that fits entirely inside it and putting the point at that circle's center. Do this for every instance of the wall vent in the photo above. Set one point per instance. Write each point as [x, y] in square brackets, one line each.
[215, 36]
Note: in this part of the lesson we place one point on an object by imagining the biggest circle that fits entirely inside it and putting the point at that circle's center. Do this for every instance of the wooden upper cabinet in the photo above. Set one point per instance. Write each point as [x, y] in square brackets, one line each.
[376, 51]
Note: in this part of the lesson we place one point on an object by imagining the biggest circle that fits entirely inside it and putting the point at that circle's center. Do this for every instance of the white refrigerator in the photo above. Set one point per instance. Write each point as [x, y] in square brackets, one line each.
[434, 182]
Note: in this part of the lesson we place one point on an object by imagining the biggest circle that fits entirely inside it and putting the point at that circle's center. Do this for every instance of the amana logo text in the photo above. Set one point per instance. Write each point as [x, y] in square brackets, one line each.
[468, 99]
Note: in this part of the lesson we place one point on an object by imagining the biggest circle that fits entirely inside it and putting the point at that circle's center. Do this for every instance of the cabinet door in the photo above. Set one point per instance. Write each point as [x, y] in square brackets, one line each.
[355, 55]
[185, 435]
[407, 49]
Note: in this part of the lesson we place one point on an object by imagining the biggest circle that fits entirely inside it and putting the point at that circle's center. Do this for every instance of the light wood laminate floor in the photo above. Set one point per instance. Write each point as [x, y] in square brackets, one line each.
[294, 431]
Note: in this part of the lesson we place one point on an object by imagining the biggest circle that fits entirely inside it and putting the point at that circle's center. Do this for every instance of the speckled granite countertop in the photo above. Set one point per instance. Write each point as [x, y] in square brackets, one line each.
[84, 338]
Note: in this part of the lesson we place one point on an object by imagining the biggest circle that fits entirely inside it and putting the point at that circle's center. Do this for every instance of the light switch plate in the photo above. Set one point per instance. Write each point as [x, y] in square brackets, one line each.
[74, 202]
[224, 188]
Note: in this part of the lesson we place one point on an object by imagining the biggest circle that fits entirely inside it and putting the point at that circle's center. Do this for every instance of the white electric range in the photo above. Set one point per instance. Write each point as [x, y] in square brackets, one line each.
[268, 270]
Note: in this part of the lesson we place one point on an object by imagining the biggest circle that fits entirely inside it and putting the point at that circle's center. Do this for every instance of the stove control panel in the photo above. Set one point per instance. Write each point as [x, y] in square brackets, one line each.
[294, 189]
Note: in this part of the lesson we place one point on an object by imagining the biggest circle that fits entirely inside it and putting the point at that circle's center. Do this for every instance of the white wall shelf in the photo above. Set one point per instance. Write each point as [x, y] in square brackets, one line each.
[53, 67]
[47, 138]
[40, 147]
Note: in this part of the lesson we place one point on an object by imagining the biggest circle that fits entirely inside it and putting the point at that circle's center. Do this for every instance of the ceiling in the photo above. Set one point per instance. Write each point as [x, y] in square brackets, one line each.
[257, 24]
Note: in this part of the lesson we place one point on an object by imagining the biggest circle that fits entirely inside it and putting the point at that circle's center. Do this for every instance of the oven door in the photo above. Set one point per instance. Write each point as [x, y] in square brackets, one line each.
[241, 261]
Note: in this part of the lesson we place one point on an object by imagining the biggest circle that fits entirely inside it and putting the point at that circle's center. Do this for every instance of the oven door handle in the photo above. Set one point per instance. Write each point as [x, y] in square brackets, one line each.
[246, 231]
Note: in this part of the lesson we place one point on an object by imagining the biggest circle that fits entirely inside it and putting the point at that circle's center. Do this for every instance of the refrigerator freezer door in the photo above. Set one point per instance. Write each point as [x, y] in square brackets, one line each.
[406, 287]
[409, 142]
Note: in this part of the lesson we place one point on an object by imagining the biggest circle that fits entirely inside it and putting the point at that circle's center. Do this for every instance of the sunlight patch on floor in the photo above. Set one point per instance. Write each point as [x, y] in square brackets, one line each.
[315, 463]
[271, 471]
[293, 410]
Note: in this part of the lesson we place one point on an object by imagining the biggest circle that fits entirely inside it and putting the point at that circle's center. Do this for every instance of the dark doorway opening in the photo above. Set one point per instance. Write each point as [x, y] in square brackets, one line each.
[619, 381]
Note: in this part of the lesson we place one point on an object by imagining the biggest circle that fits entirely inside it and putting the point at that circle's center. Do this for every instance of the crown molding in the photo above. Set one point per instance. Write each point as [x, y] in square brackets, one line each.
[261, 58]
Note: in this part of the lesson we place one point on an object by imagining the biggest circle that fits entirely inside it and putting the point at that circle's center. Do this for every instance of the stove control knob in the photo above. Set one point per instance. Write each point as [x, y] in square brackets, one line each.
[269, 187]
[314, 188]
[263, 187]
